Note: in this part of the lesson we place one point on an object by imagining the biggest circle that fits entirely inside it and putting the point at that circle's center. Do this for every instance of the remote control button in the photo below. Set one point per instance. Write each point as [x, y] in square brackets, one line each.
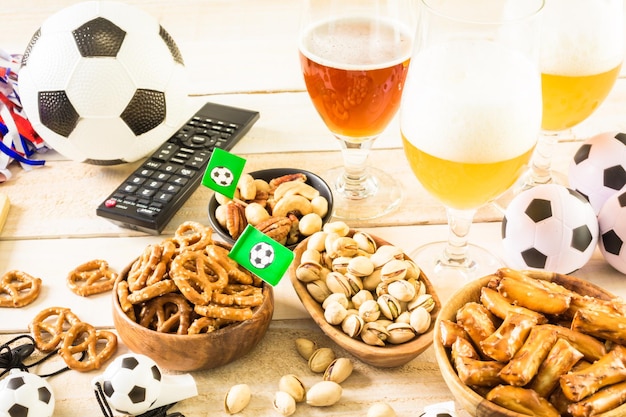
[111, 202]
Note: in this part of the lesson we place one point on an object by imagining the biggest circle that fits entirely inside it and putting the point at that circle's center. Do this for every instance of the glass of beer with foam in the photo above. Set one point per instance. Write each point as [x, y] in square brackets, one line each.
[470, 116]
[354, 56]
[582, 46]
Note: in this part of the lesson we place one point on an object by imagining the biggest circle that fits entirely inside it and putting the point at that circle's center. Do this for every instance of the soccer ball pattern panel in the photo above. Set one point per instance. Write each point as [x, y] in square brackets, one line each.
[103, 82]
[598, 169]
[612, 222]
[23, 394]
[222, 176]
[261, 255]
[549, 227]
[131, 383]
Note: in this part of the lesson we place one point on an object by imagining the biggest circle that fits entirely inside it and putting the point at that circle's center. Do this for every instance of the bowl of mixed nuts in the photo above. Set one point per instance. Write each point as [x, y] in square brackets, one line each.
[365, 294]
[287, 204]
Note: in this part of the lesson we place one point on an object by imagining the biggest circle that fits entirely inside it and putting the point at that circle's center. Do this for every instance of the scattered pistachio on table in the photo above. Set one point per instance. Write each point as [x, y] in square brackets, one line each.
[237, 398]
[324, 394]
[381, 409]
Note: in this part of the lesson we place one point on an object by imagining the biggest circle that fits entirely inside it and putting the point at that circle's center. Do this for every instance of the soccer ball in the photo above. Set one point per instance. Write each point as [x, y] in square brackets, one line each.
[261, 255]
[598, 169]
[549, 227]
[131, 383]
[222, 176]
[612, 222]
[102, 82]
[23, 394]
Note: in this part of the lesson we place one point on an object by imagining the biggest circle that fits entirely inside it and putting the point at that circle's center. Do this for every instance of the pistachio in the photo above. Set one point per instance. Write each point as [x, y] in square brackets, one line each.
[420, 320]
[320, 359]
[394, 270]
[323, 394]
[305, 347]
[352, 325]
[335, 312]
[342, 246]
[338, 227]
[400, 332]
[346, 284]
[381, 409]
[425, 300]
[413, 271]
[369, 310]
[389, 306]
[316, 241]
[385, 254]
[309, 271]
[284, 403]
[360, 266]
[365, 242]
[318, 290]
[360, 297]
[237, 398]
[401, 290]
[293, 386]
[336, 297]
[329, 241]
[374, 334]
[338, 370]
[310, 255]
[371, 281]
[340, 264]
[404, 317]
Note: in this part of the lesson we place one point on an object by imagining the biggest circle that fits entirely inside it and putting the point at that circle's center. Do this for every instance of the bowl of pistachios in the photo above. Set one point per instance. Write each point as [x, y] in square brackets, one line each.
[365, 294]
[287, 204]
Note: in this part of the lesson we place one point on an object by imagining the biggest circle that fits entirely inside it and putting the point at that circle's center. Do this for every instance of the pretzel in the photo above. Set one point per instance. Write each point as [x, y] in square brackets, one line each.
[527, 360]
[522, 400]
[151, 266]
[203, 325]
[197, 276]
[167, 313]
[501, 307]
[224, 312]
[220, 255]
[83, 337]
[18, 289]
[122, 296]
[502, 344]
[93, 277]
[191, 236]
[241, 295]
[561, 358]
[162, 287]
[600, 402]
[50, 325]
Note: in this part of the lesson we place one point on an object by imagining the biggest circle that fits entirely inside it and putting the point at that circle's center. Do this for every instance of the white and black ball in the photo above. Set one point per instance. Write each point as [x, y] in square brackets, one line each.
[612, 222]
[23, 394]
[262, 255]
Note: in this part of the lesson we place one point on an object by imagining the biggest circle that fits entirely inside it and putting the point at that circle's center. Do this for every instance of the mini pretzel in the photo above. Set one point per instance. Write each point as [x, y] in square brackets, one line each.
[83, 337]
[162, 287]
[203, 325]
[224, 312]
[190, 236]
[93, 277]
[151, 266]
[18, 289]
[50, 325]
[197, 276]
[156, 315]
[241, 295]
[220, 255]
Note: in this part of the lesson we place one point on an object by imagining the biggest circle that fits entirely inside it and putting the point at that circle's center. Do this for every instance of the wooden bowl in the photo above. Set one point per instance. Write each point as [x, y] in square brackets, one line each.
[388, 356]
[194, 352]
[471, 401]
[313, 180]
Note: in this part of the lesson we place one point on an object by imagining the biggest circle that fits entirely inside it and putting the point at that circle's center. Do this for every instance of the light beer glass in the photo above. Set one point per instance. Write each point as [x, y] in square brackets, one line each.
[470, 117]
[582, 45]
[354, 56]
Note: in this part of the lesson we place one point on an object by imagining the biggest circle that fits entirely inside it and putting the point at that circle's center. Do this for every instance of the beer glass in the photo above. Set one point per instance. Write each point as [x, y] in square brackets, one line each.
[354, 56]
[470, 117]
[581, 56]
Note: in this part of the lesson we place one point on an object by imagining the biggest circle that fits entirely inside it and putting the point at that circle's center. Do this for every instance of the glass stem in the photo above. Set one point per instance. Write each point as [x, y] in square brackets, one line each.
[540, 167]
[352, 183]
[459, 224]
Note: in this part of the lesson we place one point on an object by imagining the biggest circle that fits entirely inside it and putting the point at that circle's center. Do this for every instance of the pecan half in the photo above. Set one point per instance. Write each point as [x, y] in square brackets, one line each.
[277, 228]
[235, 219]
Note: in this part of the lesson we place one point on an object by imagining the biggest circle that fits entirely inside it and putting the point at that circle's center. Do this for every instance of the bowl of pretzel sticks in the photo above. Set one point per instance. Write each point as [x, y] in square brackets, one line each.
[520, 343]
[184, 303]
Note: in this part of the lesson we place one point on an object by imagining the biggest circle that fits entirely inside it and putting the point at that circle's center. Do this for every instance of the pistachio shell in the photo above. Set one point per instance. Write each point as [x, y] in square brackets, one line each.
[293, 386]
[425, 300]
[316, 241]
[305, 347]
[336, 297]
[374, 334]
[309, 271]
[401, 290]
[365, 242]
[342, 246]
[360, 297]
[400, 333]
[335, 313]
[352, 325]
[369, 310]
[320, 359]
[381, 410]
[323, 394]
[340, 264]
[385, 254]
[318, 290]
[310, 255]
[284, 403]
[371, 281]
[339, 227]
[389, 306]
[394, 270]
[237, 398]
[339, 370]
[413, 271]
[360, 266]
[420, 320]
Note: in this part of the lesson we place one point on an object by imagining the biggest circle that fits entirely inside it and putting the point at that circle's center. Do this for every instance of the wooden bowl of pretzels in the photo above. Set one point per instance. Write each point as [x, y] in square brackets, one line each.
[520, 343]
[188, 306]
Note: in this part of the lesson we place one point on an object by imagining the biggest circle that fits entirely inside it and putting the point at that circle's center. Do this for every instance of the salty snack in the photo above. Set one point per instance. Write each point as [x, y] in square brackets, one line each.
[92, 277]
[18, 289]
[50, 325]
[550, 351]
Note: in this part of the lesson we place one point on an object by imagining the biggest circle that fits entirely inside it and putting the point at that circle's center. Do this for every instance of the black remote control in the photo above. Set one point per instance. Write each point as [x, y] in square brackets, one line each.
[150, 196]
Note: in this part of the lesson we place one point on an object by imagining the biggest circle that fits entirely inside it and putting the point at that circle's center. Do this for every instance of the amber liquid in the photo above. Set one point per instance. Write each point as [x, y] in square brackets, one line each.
[356, 95]
[569, 100]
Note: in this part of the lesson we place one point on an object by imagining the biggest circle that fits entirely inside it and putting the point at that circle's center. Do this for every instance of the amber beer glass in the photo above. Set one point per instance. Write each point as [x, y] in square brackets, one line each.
[354, 57]
[470, 116]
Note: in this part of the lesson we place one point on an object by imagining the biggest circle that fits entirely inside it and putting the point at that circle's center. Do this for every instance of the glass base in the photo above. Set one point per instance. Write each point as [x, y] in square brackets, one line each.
[448, 278]
[378, 195]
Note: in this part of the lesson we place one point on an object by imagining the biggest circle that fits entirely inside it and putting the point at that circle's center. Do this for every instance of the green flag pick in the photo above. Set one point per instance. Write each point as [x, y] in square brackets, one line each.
[261, 255]
[223, 172]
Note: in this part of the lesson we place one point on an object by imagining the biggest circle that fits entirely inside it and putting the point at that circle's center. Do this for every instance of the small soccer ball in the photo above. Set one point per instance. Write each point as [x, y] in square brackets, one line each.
[549, 227]
[598, 169]
[612, 222]
[102, 82]
[222, 176]
[261, 255]
[23, 394]
[131, 383]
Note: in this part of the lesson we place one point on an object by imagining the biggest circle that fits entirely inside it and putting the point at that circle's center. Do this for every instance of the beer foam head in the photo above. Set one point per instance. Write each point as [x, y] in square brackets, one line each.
[582, 37]
[473, 102]
[348, 43]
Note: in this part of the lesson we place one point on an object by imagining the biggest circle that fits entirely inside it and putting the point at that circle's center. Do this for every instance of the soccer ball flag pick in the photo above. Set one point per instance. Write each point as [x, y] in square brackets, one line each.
[223, 172]
[261, 255]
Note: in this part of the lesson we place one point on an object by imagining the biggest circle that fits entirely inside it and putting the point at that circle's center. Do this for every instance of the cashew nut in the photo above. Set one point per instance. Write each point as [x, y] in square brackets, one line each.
[247, 187]
[221, 214]
[292, 203]
[295, 187]
[320, 205]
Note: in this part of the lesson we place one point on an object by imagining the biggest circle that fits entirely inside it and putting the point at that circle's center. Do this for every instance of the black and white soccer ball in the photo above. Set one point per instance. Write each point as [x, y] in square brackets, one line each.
[598, 169]
[23, 394]
[222, 176]
[549, 227]
[262, 255]
[131, 383]
[612, 222]
[102, 82]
